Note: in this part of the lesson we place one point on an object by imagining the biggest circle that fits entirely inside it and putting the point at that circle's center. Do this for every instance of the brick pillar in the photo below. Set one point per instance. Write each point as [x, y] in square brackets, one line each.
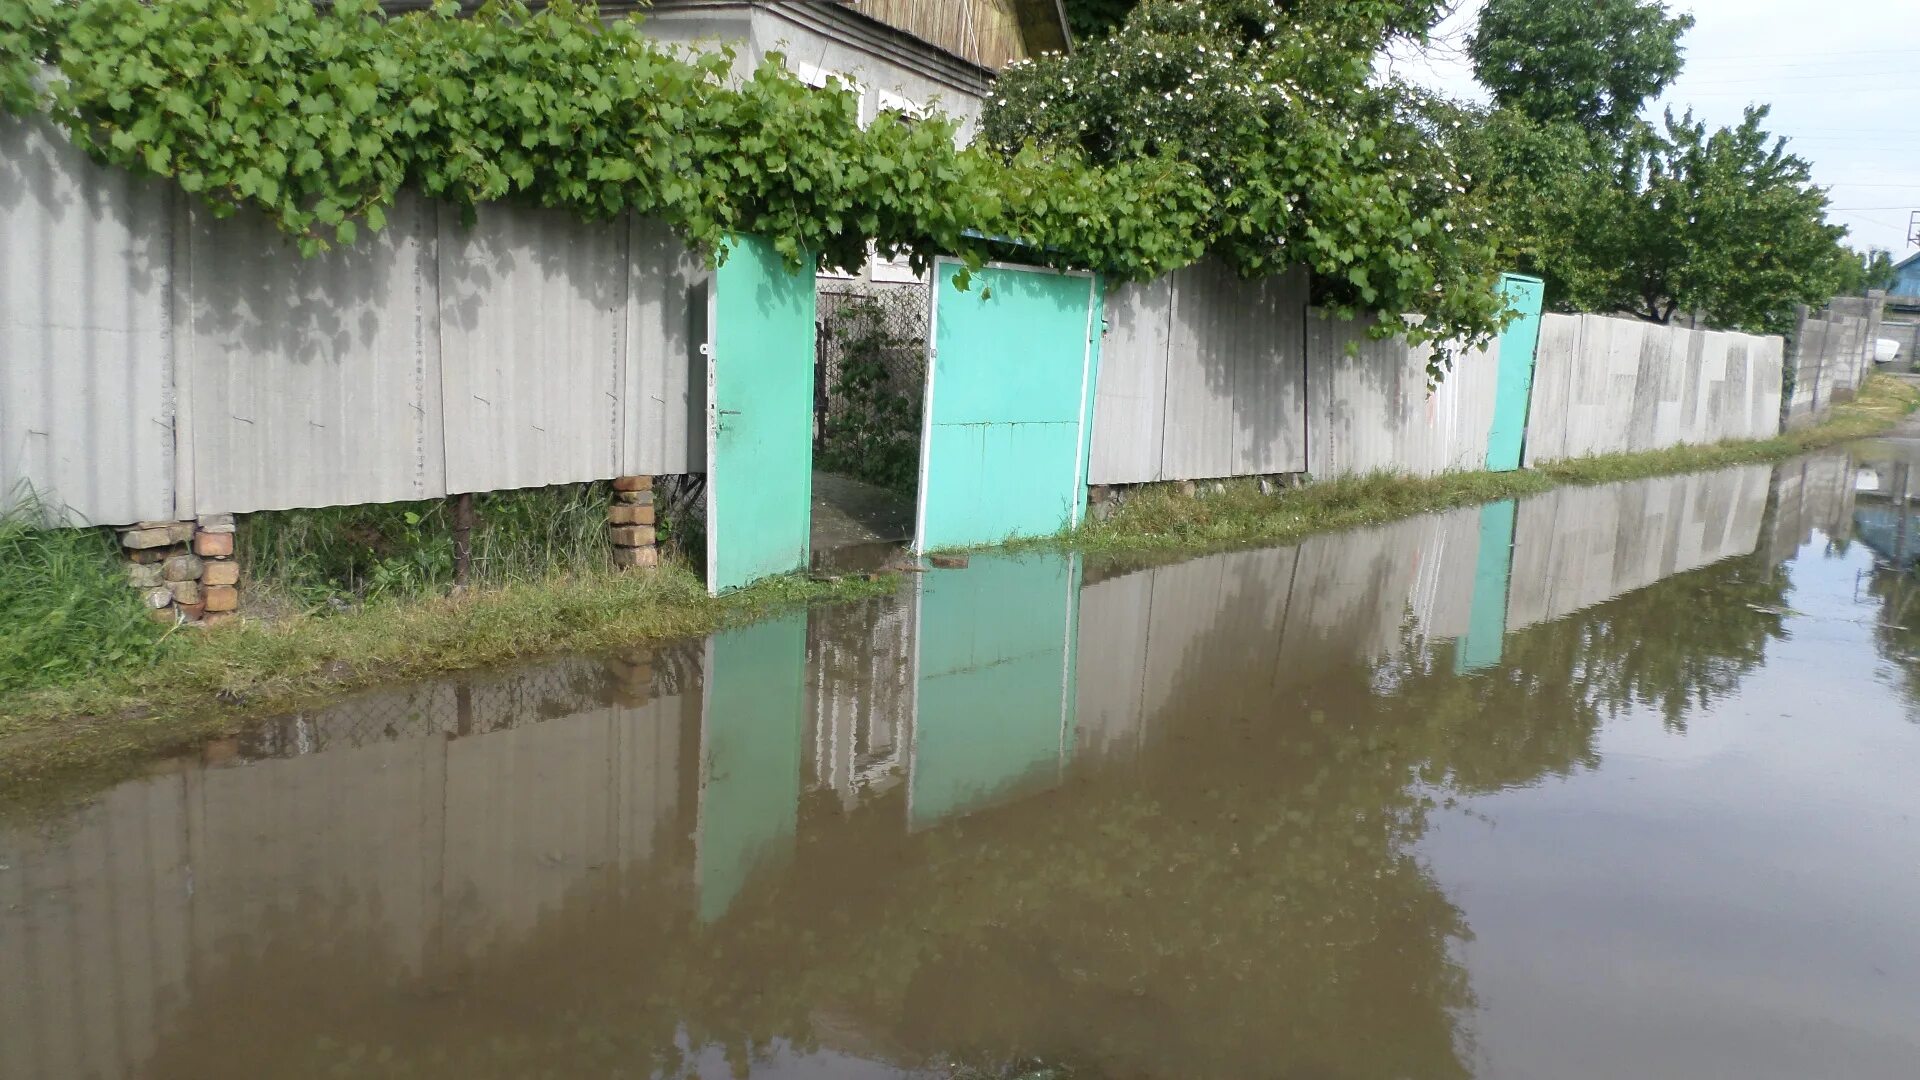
[631, 523]
[185, 572]
[213, 541]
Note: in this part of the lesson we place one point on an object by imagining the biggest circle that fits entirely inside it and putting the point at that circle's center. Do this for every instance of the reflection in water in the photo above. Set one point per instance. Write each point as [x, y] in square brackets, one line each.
[1158, 822]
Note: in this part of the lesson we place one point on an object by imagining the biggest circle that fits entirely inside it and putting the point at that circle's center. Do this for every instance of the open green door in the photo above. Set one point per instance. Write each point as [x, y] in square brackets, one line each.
[994, 684]
[1517, 345]
[752, 731]
[1009, 410]
[759, 416]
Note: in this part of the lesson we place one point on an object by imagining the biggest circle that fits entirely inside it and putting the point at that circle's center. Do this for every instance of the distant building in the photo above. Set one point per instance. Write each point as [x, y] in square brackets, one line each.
[1906, 280]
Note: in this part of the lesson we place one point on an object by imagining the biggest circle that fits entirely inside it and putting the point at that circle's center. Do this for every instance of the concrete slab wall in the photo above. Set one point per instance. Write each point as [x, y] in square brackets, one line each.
[1830, 353]
[1604, 384]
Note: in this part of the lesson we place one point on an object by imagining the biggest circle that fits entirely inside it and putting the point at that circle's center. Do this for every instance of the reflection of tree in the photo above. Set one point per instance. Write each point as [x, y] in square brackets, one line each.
[1677, 645]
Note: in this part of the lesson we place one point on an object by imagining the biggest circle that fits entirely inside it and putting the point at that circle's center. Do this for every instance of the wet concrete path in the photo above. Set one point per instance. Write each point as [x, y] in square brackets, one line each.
[857, 524]
[1609, 782]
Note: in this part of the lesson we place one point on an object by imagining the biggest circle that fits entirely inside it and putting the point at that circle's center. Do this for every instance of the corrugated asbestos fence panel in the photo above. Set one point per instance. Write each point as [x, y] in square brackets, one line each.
[160, 363]
[1236, 375]
[666, 375]
[1202, 375]
[86, 332]
[533, 328]
[1129, 409]
[315, 381]
[1370, 407]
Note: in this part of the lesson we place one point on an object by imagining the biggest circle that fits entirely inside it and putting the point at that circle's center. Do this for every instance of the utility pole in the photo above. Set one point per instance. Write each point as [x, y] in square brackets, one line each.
[1913, 229]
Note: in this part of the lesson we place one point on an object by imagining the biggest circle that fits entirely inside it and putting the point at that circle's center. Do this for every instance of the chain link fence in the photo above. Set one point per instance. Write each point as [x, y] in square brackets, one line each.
[869, 380]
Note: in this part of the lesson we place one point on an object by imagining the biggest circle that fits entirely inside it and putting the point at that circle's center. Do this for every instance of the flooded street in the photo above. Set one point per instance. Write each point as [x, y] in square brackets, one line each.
[1609, 782]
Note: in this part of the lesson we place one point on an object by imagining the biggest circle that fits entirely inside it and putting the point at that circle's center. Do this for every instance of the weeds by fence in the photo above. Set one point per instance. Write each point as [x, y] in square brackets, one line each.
[66, 612]
[318, 560]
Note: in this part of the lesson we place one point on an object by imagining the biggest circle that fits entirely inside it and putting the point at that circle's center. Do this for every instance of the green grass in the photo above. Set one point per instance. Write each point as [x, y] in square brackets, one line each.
[1159, 519]
[210, 682]
[67, 610]
[91, 690]
[313, 560]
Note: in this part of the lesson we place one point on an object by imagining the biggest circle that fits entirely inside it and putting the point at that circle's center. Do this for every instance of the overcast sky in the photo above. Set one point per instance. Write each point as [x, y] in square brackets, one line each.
[1843, 78]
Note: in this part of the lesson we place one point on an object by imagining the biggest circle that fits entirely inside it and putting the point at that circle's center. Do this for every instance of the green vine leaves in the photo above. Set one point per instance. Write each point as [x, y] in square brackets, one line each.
[318, 117]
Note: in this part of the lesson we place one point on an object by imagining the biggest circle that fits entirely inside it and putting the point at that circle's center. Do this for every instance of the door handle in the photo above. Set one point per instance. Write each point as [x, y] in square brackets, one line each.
[729, 412]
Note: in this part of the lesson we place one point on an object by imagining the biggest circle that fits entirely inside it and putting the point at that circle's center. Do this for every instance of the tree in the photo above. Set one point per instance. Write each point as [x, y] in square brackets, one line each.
[1304, 157]
[1590, 62]
[1730, 224]
[1863, 271]
[1092, 19]
[1722, 222]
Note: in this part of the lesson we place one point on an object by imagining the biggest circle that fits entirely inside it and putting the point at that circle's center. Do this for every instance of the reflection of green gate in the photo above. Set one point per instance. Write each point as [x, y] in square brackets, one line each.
[1487, 623]
[993, 682]
[1514, 387]
[752, 729]
[1009, 405]
[759, 417]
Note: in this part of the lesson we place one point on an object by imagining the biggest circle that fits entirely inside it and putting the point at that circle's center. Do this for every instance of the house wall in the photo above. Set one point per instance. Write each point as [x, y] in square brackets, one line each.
[1906, 280]
[893, 70]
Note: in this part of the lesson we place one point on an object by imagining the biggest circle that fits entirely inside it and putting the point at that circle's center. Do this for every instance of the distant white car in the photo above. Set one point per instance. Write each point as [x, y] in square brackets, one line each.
[1885, 350]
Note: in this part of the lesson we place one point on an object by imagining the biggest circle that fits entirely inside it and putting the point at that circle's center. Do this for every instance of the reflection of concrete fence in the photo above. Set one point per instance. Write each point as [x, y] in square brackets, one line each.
[1830, 354]
[1575, 547]
[160, 364]
[1604, 384]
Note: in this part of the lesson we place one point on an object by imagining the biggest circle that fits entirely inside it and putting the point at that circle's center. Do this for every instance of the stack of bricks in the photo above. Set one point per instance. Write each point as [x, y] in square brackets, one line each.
[184, 570]
[631, 522]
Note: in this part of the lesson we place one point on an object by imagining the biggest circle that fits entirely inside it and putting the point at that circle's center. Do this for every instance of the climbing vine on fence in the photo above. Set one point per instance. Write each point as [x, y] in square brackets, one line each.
[318, 117]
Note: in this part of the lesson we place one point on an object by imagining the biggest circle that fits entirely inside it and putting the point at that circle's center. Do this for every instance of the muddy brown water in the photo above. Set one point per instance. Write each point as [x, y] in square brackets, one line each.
[1612, 782]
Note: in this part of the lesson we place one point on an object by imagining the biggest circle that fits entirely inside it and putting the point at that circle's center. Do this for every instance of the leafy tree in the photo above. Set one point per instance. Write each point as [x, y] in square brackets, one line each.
[1304, 157]
[1863, 271]
[1091, 19]
[1728, 223]
[1591, 62]
[1723, 222]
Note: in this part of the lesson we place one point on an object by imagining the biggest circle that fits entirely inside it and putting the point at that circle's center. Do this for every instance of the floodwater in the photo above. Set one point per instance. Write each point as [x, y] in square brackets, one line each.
[1612, 782]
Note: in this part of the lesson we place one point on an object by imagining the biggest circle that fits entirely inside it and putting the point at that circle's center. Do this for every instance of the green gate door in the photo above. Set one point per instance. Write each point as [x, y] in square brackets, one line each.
[752, 731]
[1010, 381]
[759, 417]
[1517, 344]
